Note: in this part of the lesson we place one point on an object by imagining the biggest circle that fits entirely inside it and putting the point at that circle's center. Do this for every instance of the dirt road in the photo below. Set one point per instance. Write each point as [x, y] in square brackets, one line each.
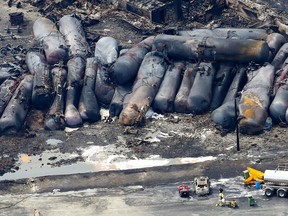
[139, 200]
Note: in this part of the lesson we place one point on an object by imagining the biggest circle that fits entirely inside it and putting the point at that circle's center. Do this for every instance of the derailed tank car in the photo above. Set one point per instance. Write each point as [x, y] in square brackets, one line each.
[206, 71]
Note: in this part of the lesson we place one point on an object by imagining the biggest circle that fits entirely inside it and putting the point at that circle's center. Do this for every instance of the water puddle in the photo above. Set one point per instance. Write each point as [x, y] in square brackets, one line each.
[43, 165]
[53, 142]
[96, 159]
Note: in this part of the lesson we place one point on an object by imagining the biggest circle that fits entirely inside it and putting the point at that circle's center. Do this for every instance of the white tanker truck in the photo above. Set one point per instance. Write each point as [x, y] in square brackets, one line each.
[276, 181]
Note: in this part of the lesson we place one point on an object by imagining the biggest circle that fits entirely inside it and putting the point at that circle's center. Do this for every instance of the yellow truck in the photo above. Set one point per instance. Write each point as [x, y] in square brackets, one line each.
[251, 176]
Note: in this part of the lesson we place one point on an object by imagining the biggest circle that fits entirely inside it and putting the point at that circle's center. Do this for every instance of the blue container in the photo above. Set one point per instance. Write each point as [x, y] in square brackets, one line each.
[258, 185]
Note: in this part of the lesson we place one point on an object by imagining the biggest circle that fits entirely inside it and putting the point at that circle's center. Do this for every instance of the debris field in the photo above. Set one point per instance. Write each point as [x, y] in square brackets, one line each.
[236, 75]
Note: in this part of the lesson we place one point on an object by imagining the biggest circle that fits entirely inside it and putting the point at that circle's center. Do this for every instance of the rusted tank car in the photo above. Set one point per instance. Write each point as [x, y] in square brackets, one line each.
[15, 112]
[255, 101]
[212, 49]
[224, 116]
[149, 77]
[54, 119]
[164, 100]
[104, 90]
[42, 94]
[88, 106]
[231, 33]
[106, 50]
[180, 102]
[125, 69]
[200, 95]
[76, 68]
[222, 81]
[74, 36]
[53, 43]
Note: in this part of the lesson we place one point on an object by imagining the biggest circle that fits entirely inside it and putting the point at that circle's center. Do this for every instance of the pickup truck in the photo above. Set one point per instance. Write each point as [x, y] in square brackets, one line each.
[202, 185]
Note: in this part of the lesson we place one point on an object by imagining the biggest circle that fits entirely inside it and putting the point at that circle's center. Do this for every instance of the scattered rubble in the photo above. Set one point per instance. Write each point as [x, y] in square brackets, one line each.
[204, 14]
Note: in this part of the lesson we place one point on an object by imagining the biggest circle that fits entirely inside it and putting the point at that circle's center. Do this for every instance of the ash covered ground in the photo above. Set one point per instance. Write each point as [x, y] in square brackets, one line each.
[179, 135]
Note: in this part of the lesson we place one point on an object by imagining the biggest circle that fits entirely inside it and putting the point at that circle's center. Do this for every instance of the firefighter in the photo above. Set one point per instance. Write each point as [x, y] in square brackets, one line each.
[221, 201]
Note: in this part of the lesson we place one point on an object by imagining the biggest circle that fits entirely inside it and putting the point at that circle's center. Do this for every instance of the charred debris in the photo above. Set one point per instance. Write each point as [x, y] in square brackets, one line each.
[194, 57]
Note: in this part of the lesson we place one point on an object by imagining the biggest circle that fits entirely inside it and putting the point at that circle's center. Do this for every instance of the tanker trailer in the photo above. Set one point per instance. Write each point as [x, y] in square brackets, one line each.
[276, 181]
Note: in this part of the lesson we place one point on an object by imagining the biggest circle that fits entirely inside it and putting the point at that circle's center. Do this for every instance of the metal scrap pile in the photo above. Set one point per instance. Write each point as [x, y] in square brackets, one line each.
[195, 72]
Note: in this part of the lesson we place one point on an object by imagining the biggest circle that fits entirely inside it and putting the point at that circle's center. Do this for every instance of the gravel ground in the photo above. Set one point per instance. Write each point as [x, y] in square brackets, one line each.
[185, 135]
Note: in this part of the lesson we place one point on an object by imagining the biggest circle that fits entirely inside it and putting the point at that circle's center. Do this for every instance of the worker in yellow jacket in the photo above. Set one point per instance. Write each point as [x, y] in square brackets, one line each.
[221, 201]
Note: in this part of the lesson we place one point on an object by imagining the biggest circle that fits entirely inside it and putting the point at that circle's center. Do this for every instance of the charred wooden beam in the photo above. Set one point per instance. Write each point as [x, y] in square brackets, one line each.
[154, 10]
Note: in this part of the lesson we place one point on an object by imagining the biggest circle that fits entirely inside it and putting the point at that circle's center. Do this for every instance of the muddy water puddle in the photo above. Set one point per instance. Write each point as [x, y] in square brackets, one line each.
[91, 159]
[43, 165]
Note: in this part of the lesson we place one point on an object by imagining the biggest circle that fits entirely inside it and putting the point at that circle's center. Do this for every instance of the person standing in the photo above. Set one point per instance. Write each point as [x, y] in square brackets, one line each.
[221, 201]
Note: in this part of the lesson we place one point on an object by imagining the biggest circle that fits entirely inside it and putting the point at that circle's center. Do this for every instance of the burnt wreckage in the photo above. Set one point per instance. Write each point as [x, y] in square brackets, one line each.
[195, 71]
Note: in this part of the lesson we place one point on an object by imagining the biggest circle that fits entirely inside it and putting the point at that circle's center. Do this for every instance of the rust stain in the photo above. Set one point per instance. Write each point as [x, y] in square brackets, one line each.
[248, 101]
[252, 51]
[249, 112]
[24, 158]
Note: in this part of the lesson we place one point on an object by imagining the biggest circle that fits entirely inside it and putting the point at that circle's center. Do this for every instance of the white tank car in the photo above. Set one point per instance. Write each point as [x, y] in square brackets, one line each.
[276, 176]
